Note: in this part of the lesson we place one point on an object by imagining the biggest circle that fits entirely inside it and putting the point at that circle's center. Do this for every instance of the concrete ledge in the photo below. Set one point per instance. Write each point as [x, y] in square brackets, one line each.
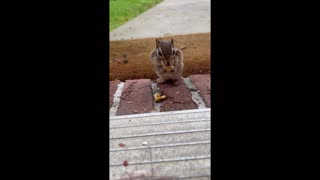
[170, 145]
[208, 110]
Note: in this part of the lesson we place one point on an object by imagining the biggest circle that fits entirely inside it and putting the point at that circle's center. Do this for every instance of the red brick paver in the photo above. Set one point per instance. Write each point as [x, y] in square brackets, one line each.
[112, 89]
[136, 97]
[202, 82]
[178, 97]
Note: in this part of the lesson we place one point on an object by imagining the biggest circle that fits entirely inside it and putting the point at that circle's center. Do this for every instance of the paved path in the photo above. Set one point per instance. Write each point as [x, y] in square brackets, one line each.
[170, 17]
[167, 145]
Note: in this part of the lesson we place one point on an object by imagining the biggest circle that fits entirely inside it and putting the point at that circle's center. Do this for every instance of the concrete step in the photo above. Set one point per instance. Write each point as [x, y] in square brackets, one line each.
[163, 139]
[140, 131]
[157, 118]
[165, 153]
[183, 169]
[188, 169]
[172, 145]
[168, 125]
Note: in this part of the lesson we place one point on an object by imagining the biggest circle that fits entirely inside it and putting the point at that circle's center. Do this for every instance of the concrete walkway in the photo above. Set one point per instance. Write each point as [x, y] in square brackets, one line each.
[170, 17]
[167, 145]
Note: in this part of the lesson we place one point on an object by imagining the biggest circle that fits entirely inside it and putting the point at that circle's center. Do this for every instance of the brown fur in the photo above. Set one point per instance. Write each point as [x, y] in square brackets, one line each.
[166, 54]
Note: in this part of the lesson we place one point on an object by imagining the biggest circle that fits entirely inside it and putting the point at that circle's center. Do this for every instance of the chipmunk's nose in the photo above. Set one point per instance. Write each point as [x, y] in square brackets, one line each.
[168, 63]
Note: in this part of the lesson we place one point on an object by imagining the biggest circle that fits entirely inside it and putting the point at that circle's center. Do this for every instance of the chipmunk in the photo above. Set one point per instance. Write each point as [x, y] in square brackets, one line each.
[167, 62]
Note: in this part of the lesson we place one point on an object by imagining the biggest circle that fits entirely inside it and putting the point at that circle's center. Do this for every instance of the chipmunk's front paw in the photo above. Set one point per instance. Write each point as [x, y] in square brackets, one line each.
[162, 70]
[160, 81]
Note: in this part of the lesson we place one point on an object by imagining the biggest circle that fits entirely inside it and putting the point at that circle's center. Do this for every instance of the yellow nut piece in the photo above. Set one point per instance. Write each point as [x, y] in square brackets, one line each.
[168, 68]
[158, 98]
[163, 97]
[156, 95]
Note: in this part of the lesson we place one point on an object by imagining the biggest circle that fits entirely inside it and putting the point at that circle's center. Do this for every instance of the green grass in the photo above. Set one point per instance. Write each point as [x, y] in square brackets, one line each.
[122, 11]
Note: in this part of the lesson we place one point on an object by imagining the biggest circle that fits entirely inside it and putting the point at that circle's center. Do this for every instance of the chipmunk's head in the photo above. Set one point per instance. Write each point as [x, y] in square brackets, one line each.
[166, 51]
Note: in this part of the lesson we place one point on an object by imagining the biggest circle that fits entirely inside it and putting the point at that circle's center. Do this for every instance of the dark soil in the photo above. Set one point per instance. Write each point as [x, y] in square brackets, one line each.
[129, 59]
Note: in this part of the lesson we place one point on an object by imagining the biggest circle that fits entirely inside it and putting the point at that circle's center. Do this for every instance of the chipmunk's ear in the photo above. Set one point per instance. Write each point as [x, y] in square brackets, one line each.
[157, 42]
[172, 42]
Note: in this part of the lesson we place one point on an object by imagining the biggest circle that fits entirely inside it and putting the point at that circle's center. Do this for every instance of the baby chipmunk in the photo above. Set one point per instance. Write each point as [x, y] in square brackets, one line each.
[167, 62]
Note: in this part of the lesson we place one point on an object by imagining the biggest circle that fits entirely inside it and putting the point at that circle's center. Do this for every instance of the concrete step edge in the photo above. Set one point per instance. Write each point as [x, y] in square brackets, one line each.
[161, 113]
[161, 133]
[161, 123]
[161, 146]
[141, 130]
[160, 140]
[166, 160]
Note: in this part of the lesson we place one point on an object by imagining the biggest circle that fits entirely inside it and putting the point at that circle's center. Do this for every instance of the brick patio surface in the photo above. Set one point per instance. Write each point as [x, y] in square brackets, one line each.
[202, 83]
[137, 95]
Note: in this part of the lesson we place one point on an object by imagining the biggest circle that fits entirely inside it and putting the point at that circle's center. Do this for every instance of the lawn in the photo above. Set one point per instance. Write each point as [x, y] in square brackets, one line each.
[123, 10]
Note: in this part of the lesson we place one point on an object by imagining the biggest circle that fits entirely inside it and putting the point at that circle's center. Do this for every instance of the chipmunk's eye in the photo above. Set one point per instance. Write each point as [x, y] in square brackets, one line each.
[159, 52]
